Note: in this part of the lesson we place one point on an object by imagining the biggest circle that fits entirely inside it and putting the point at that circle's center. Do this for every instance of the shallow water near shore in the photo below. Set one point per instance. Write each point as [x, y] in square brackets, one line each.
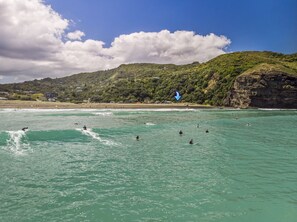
[244, 169]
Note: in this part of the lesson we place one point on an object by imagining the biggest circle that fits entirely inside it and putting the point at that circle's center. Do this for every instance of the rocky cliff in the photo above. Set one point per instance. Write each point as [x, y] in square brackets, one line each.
[266, 86]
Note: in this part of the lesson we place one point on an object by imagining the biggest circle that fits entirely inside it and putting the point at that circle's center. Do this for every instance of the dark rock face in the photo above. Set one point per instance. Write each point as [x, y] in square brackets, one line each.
[264, 90]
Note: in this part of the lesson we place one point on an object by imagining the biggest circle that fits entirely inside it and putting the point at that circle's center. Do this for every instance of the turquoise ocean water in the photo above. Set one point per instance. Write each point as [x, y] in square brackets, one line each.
[244, 169]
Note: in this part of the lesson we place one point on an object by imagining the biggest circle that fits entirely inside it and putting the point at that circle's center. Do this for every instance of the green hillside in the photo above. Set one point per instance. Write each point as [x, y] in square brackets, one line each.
[206, 83]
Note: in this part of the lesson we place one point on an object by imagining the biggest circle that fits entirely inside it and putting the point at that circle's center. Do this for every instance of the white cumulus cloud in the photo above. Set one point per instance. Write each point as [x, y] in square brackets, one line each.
[75, 35]
[179, 47]
[32, 45]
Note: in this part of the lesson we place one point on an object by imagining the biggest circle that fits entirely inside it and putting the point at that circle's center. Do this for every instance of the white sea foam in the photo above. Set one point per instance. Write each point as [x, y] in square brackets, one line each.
[142, 110]
[150, 124]
[96, 136]
[159, 110]
[15, 143]
[33, 110]
[274, 109]
[101, 110]
[103, 114]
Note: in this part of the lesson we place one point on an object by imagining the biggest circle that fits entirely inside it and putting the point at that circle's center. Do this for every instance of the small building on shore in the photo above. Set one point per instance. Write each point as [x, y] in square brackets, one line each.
[51, 96]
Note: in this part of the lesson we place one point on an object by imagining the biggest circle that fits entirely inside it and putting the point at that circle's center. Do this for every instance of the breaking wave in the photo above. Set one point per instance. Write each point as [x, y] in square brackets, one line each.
[150, 124]
[17, 143]
[103, 114]
[96, 136]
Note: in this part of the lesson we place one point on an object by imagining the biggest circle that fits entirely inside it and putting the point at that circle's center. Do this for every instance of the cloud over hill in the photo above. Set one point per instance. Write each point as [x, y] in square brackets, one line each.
[38, 42]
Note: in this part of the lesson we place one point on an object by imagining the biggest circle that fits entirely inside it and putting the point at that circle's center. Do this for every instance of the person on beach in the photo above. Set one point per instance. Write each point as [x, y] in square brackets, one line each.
[180, 133]
[84, 128]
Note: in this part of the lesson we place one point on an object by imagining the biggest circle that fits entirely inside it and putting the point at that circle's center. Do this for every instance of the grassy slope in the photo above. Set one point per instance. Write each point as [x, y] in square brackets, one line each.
[200, 83]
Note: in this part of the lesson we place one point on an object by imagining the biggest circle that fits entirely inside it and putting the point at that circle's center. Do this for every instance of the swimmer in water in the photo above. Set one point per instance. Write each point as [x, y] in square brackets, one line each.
[191, 141]
[207, 131]
[137, 138]
[180, 133]
[25, 128]
[84, 128]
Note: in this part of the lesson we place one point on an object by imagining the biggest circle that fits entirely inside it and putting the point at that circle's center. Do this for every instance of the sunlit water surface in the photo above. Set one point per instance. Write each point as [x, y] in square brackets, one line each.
[244, 169]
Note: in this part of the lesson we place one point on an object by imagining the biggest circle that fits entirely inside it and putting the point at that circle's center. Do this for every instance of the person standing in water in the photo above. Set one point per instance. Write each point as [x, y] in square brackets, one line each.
[84, 127]
[137, 138]
[191, 141]
[180, 133]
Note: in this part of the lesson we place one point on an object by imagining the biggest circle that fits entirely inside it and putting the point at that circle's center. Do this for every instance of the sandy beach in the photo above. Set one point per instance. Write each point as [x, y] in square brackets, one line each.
[16, 104]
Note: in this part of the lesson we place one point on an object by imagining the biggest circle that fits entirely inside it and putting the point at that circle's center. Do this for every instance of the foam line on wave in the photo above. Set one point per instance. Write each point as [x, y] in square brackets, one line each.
[90, 133]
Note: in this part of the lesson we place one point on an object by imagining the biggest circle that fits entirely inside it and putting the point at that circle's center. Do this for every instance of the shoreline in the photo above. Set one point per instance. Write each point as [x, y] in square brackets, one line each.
[18, 104]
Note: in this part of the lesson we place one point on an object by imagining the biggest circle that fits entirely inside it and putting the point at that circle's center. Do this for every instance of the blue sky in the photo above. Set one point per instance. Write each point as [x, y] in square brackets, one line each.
[250, 24]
